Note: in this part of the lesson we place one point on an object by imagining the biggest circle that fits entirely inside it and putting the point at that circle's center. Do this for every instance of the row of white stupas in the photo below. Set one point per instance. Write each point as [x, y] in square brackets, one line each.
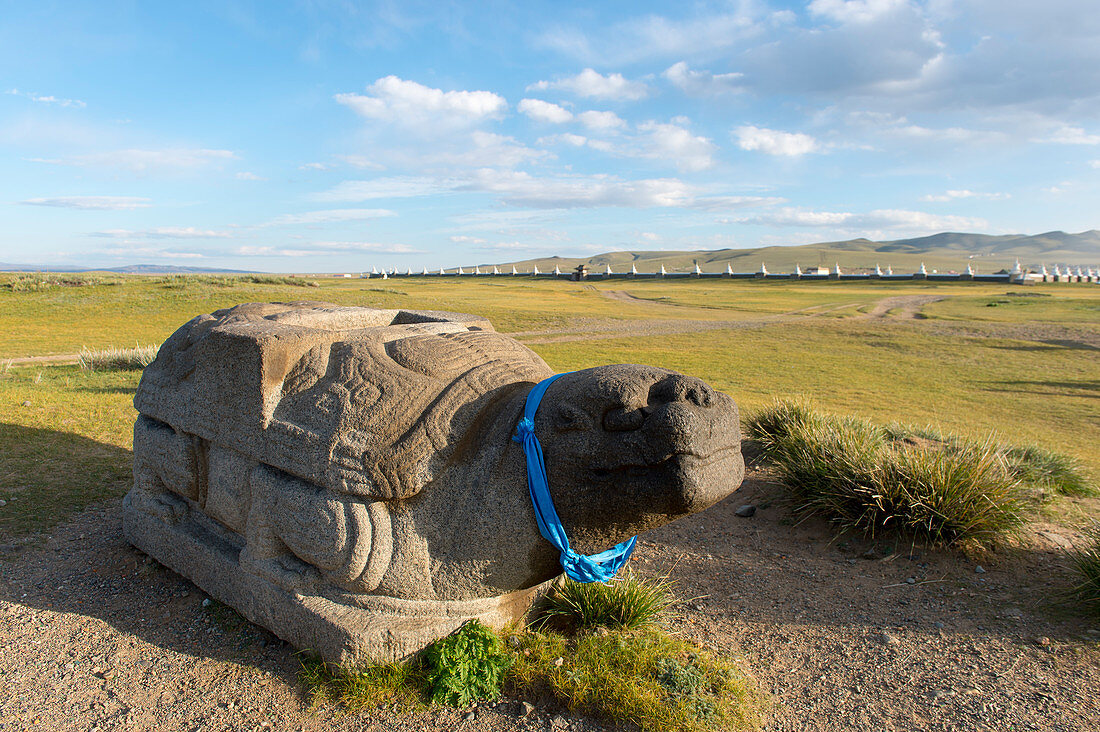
[1089, 275]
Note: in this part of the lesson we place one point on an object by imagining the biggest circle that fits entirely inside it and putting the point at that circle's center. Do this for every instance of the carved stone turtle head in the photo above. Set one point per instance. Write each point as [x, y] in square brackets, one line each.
[629, 448]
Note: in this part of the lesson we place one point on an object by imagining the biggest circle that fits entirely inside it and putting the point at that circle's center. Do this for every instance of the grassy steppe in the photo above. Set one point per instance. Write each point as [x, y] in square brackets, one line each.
[1025, 367]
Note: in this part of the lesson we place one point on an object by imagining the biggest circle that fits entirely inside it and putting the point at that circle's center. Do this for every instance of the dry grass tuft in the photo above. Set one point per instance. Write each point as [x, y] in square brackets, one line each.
[118, 359]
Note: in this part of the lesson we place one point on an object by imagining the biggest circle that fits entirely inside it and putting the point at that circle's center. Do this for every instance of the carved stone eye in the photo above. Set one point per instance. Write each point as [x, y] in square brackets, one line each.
[569, 417]
[623, 419]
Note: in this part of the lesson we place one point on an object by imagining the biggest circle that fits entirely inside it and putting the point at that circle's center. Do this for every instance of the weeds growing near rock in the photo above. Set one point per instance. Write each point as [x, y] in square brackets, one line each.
[941, 488]
[646, 677]
[1086, 563]
[465, 667]
[118, 359]
[627, 602]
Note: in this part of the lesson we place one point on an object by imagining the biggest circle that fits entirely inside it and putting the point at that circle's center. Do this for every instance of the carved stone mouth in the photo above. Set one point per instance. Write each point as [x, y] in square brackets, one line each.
[694, 459]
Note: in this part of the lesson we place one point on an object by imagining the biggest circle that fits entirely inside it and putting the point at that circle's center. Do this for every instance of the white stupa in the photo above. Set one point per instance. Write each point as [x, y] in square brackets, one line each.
[384, 275]
[663, 272]
[461, 271]
[425, 272]
[557, 271]
[836, 269]
[1017, 270]
[763, 270]
[969, 269]
[607, 271]
[729, 269]
[496, 270]
[633, 269]
[536, 271]
[889, 270]
[878, 270]
[797, 270]
[374, 270]
[697, 271]
[442, 271]
[922, 270]
[477, 269]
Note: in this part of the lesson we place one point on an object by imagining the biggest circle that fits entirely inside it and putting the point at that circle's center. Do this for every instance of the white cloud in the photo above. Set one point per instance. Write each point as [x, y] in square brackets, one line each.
[1094, 164]
[596, 120]
[245, 175]
[854, 11]
[567, 138]
[43, 99]
[565, 191]
[164, 232]
[330, 216]
[889, 219]
[652, 36]
[541, 111]
[392, 99]
[313, 166]
[591, 83]
[395, 187]
[774, 142]
[1072, 136]
[463, 239]
[323, 248]
[685, 150]
[92, 203]
[703, 83]
[360, 161]
[509, 246]
[523, 189]
[147, 161]
[957, 194]
[485, 149]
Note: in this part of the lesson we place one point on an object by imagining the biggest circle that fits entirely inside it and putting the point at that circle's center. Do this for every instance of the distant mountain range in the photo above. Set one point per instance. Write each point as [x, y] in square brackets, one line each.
[948, 251]
[128, 269]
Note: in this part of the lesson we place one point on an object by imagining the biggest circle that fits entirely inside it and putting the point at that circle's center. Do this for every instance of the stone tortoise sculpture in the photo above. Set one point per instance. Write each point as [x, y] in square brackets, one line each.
[346, 477]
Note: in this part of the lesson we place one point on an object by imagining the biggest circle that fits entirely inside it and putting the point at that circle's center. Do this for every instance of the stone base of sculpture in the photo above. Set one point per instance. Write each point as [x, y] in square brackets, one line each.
[342, 628]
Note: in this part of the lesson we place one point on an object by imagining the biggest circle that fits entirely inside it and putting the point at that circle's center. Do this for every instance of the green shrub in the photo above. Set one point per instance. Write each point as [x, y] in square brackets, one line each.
[1049, 470]
[466, 666]
[1086, 563]
[627, 602]
[940, 488]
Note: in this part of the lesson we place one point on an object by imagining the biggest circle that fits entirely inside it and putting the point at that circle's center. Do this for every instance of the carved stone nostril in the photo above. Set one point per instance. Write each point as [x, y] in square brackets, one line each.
[682, 389]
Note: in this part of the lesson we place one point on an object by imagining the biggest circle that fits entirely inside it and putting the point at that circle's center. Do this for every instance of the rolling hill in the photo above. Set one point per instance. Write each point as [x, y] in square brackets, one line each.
[945, 252]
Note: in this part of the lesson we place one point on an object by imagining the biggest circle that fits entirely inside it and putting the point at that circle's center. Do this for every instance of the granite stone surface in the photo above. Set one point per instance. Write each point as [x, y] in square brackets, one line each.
[346, 476]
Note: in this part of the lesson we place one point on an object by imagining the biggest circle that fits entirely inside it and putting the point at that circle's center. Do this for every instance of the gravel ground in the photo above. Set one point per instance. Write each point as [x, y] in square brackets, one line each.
[845, 634]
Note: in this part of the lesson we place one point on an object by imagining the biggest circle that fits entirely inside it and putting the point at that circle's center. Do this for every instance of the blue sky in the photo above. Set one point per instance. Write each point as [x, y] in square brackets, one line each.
[331, 136]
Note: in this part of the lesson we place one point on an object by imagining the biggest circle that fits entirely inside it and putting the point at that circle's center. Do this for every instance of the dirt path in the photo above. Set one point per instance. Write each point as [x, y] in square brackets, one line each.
[64, 358]
[906, 307]
[588, 329]
[845, 635]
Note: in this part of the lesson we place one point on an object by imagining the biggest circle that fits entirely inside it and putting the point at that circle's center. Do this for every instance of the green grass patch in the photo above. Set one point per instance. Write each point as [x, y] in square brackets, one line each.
[368, 687]
[867, 478]
[1086, 564]
[641, 675]
[624, 603]
[646, 677]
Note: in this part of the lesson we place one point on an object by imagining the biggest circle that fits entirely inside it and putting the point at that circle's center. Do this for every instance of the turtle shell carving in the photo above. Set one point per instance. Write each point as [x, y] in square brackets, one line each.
[360, 401]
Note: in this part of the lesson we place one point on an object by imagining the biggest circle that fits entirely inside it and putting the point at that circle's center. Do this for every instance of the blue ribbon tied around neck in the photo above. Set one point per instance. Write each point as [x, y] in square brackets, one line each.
[582, 568]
